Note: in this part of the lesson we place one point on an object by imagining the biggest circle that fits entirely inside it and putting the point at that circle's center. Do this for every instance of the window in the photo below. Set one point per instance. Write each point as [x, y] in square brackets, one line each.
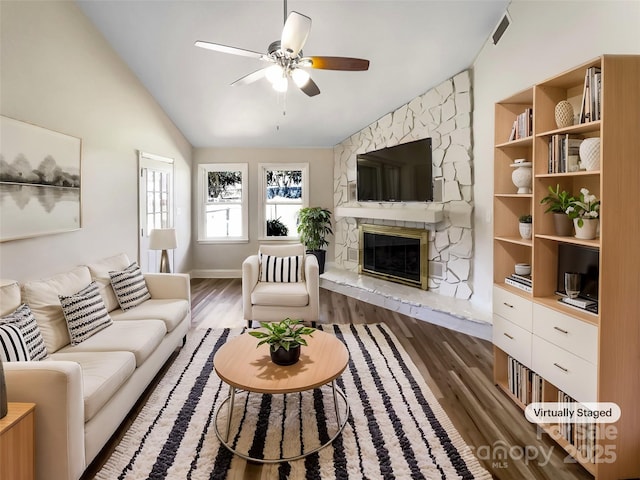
[223, 202]
[283, 191]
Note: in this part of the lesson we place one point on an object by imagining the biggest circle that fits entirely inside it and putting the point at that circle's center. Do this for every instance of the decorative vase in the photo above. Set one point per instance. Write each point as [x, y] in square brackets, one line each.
[590, 153]
[521, 176]
[562, 224]
[285, 357]
[588, 230]
[525, 230]
[3, 393]
[564, 114]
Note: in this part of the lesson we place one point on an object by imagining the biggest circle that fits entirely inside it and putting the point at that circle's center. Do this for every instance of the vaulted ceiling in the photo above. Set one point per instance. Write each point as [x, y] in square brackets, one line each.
[412, 47]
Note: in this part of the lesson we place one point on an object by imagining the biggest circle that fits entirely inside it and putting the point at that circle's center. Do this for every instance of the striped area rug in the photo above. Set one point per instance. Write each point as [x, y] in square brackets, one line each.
[396, 428]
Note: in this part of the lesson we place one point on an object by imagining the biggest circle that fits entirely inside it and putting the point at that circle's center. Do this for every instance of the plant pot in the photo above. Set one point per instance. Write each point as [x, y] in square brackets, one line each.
[321, 256]
[525, 230]
[589, 228]
[562, 224]
[284, 357]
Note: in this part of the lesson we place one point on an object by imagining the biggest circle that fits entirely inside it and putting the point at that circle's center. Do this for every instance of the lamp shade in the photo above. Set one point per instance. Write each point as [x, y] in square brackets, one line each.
[163, 239]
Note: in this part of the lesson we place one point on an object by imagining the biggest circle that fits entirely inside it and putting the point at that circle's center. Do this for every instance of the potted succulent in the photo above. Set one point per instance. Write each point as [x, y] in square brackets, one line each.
[275, 228]
[584, 212]
[557, 203]
[314, 224]
[524, 226]
[284, 339]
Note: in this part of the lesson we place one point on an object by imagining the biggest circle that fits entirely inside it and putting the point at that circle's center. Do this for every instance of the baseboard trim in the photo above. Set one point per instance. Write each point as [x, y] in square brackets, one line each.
[217, 273]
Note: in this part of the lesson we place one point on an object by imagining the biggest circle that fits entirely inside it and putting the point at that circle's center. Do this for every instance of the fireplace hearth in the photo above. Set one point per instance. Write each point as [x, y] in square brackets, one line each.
[398, 254]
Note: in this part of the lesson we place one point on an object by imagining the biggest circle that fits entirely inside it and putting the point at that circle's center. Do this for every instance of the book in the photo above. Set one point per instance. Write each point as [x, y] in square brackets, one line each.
[517, 284]
[526, 279]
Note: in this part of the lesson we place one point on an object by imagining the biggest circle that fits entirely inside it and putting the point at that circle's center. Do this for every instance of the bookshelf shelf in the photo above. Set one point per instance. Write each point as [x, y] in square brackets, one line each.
[523, 333]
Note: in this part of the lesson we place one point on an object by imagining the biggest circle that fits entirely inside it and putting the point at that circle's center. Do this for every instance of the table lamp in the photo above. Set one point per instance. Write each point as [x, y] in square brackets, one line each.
[163, 239]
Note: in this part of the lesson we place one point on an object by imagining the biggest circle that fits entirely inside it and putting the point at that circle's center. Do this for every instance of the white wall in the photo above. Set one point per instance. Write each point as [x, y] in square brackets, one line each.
[544, 39]
[226, 259]
[59, 73]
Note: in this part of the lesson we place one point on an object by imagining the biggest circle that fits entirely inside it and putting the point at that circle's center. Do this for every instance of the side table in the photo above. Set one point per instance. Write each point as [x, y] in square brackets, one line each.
[17, 442]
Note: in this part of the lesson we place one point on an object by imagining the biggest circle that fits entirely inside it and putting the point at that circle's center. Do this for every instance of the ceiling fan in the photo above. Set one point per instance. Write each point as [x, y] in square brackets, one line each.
[286, 58]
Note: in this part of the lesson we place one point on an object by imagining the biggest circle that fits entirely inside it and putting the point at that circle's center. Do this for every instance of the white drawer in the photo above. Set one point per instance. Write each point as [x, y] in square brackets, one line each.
[574, 335]
[570, 373]
[511, 338]
[513, 307]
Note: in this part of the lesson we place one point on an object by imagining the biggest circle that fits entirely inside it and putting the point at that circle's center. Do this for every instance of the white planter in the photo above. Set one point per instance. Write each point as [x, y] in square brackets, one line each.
[521, 176]
[525, 230]
[590, 153]
[589, 228]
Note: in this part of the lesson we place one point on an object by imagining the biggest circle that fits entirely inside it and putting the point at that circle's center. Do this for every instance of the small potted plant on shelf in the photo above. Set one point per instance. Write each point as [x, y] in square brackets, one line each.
[284, 339]
[524, 226]
[314, 224]
[584, 212]
[557, 203]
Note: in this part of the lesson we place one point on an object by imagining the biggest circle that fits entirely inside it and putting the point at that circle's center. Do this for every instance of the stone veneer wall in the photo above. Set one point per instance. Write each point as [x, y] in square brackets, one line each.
[444, 114]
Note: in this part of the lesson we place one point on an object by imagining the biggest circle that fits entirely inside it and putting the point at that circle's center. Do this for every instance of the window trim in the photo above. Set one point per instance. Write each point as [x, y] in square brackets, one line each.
[203, 171]
[262, 203]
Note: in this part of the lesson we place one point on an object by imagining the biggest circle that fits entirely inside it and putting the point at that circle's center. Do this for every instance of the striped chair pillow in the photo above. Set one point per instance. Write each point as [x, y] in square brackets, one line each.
[12, 345]
[23, 318]
[280, 269]
[85, 313]
[130, 287]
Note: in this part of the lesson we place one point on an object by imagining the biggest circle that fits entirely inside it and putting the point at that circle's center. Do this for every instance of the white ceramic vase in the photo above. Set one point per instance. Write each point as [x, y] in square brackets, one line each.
[521, 176]
[564, 114]
[590, 153]
[589, 228]
[525, 230]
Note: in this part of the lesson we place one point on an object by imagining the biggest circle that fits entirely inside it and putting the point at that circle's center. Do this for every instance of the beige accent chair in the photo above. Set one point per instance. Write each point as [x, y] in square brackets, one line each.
[275, 301]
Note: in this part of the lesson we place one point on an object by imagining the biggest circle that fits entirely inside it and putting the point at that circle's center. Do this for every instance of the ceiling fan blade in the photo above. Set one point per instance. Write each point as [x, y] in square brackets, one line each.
[338, 63]
[251, 77]
[295, 32]
[232, 50]
[310, 88]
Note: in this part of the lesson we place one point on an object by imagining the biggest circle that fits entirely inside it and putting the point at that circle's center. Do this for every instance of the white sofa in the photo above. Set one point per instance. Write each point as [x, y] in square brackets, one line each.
[83, 392]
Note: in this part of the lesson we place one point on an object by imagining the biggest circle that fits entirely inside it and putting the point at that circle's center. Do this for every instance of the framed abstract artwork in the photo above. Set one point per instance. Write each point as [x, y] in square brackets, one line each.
[39, 181]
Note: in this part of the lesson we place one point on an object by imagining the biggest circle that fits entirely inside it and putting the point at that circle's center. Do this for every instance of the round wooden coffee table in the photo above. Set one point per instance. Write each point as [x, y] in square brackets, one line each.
[242, 366]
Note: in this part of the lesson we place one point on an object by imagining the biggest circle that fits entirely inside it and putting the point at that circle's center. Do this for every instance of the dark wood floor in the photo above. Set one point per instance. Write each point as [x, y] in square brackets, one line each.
[457, 367]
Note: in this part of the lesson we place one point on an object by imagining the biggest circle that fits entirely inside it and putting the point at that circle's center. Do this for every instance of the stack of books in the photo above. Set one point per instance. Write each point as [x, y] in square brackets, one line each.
[525, 384]
[591, 96]
[523, 125]
[561, 147]
[581, 435]
[523, 282]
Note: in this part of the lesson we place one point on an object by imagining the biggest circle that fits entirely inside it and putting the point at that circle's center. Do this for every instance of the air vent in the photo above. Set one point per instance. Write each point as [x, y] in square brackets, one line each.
[352, 254]
[501, 28]
[437, 269]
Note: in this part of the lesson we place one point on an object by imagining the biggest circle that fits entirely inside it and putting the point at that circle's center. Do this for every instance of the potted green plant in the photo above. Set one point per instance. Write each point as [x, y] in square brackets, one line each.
[557, 203]
[584, 211]
[284, 339]
[524, 226]
[314, 224]
[275, 228]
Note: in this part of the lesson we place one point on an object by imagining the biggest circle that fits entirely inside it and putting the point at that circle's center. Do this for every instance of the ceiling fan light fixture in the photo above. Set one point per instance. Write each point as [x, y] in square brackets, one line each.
[281, 84]
[274, 74]
[300, 77]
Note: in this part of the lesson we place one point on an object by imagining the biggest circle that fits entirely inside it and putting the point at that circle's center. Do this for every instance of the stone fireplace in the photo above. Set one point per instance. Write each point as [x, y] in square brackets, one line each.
[398, 254]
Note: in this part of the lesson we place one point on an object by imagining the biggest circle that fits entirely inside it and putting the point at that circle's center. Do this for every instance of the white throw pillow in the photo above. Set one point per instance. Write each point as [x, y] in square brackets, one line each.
[280, 269]
[85, 313]
[130, 287]
[23, 319]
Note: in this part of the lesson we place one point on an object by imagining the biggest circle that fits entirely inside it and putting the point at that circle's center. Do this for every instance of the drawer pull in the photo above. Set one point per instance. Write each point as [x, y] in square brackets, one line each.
[561, 368]
[508, 336]
[561, 330]
[507, 305]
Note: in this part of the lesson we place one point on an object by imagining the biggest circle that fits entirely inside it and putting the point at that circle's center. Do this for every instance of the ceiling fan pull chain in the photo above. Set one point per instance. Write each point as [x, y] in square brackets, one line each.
[285, 11]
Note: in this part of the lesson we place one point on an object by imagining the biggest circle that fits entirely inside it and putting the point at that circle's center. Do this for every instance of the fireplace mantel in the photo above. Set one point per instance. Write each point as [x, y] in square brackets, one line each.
[427, 212]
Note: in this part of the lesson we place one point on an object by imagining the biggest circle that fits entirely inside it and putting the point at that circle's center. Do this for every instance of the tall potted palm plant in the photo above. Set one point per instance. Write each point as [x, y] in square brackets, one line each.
[314, 224]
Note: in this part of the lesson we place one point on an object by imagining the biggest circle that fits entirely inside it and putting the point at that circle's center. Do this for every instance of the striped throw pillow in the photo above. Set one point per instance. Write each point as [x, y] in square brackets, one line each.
[85, 313]
[280, 269]
[12, 345]
[130, 287]
[23, 319]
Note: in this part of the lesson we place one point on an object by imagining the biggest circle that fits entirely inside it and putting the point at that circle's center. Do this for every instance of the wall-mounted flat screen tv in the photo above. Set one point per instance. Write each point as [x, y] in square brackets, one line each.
[401, 173]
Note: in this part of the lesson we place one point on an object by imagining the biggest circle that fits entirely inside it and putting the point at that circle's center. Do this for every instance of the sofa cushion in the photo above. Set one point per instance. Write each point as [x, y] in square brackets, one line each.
[12, 345]
[129, 286]
[103, 373]
[280, 294]
[140, 337]
[85, 313]
[100, 273]
[9, 296]
[23, 318]
[281, 269]
[170, 311]
[42, 297]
